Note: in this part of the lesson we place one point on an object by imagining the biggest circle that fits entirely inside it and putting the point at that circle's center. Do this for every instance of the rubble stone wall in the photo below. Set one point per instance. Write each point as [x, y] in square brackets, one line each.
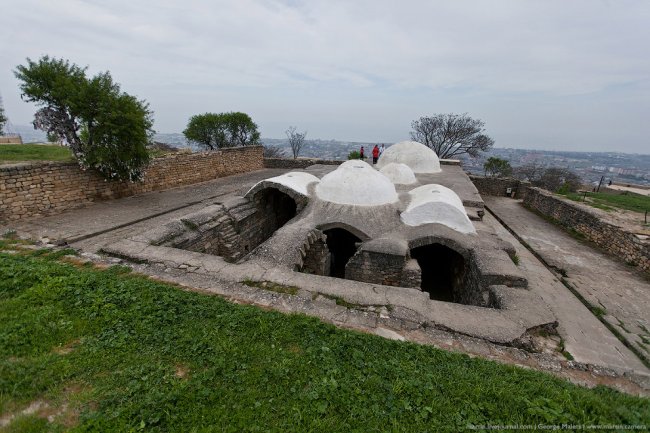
[630, 247]
[373, 267]
[498, 186]
[297, 163]
[38, 189]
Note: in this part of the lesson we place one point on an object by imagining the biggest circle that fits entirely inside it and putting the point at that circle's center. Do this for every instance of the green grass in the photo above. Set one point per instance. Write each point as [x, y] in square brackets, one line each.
[628, 201]
[34, 152]
[111, 351]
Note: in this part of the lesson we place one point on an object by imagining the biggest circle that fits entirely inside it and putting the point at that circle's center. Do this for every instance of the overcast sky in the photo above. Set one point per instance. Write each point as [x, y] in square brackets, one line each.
[565, 74]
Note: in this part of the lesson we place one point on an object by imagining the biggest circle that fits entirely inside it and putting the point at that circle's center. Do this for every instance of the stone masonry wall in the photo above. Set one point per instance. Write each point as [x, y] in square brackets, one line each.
[626, 245]
[297, 163]
[497, 186]
[373, 267]
[33, 190]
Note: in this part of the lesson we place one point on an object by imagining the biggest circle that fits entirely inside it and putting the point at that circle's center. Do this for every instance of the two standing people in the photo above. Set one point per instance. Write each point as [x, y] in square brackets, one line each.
[376, 152]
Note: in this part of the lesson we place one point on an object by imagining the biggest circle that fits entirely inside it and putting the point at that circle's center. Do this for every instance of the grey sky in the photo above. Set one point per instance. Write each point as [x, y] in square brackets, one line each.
[565, 74]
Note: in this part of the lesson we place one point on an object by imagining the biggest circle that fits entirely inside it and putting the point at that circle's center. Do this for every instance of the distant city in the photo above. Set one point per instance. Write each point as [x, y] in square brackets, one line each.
[590, 166]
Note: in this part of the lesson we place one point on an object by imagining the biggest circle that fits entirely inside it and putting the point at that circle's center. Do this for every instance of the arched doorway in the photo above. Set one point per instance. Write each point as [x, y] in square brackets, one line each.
[443, 271]
[277, 209]
[342, 245]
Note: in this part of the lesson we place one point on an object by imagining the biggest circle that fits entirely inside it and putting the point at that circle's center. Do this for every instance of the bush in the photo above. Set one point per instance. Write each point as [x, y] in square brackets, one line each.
[354, 155]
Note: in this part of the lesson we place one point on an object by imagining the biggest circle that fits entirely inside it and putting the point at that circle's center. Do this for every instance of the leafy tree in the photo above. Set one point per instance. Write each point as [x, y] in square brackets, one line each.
[450, 135]
[106, 129]
[52, 137]
[497, 167]
[219, 130]
[296, 140]
[3, 118]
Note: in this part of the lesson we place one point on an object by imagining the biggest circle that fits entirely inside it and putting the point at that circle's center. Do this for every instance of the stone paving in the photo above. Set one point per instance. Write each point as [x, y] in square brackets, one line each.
[599, 357]
[614, 290]
[584, 336]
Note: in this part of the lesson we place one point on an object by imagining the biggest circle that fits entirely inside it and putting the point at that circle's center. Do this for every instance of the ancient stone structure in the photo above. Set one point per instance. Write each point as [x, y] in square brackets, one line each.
[393, 226]
[32, 190]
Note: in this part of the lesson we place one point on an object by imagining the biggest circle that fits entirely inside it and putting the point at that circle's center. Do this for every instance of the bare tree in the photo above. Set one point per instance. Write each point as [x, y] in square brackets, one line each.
[530, 172]
[554, 179]
[451, 134]
[271, 151]
[296, 140]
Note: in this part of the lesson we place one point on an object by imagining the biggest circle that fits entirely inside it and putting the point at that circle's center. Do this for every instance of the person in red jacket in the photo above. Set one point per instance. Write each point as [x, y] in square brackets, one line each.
[361, 155]
[375, 154]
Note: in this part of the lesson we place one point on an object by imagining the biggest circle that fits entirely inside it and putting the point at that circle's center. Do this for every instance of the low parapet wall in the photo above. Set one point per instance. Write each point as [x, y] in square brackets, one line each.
[626, 245]
[498, 186]
[297, 163]
[11, 139]
[37, 189]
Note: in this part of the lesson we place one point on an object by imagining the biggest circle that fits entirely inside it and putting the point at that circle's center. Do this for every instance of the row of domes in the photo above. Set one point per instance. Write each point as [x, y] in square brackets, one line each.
[357, 183]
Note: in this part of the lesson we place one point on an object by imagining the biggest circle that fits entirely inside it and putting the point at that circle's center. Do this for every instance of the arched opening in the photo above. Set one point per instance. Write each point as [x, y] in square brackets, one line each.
[277, 209]
[443, 271]
[342, 245]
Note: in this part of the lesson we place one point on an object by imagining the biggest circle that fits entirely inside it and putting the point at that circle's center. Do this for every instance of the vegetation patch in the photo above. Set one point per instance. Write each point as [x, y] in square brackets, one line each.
[626, 200]
[143, 355]
[34, 152]
[273, 287]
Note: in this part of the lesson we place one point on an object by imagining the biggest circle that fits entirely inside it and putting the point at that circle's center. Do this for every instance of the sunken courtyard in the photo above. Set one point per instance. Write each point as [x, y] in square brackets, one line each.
[406, 236]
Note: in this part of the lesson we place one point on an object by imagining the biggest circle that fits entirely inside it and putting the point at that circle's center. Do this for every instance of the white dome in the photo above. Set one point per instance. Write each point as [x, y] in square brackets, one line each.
[416, 155]
[437, 204]
[296, 180]
[398, 173]
[356, 182]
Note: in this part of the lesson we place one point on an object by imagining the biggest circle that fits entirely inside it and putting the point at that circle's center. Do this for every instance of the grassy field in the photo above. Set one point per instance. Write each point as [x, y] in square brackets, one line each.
[103, 350]
[34, 152]
[629, 201]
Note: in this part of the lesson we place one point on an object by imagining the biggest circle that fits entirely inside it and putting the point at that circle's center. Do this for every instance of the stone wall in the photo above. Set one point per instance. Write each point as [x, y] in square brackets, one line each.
[498, 186]
[297, 163]
[374, 267]
[11, 139]
[32, 190]
[628, 246]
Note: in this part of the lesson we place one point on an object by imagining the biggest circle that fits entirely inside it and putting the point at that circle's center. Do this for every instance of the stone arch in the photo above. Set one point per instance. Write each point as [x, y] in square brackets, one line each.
[263, 187]
[276, 206]
[452, 244]
[342, 244]
[443, 271]
[341, 225]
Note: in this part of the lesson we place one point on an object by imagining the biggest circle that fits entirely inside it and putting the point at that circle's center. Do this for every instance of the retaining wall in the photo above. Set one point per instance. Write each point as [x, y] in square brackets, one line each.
[38, 189]
[498, 186]
[297, 163]
[632, 248]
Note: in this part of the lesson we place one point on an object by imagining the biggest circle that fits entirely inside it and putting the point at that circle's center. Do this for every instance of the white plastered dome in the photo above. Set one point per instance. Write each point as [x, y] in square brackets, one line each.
[416, 155]
[436, 204]
[356, 183]
[398, 173]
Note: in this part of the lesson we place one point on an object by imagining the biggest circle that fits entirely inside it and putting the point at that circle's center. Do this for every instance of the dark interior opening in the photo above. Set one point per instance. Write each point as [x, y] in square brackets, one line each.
[443, 271]
[342, 246]
[279, 208]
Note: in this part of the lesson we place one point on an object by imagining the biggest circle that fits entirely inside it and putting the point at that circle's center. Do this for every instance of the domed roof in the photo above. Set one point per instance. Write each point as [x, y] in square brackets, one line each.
[416, 155]
[437, 204]
[398, 173]
[357, 183]
[297, 181]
